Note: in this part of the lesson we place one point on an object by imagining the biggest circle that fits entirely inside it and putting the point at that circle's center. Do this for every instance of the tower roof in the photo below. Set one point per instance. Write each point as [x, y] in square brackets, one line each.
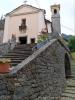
[55, 5]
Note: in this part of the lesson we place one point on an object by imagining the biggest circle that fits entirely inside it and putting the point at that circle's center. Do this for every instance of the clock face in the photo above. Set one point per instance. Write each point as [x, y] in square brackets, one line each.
[55, 11]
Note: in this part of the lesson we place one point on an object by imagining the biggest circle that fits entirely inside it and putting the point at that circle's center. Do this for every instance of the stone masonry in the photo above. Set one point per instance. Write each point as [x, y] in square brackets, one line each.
[42, 78]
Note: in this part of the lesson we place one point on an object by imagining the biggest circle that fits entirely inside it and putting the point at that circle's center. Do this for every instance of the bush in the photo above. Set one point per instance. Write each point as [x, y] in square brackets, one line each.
[42, 38]
[72, 43]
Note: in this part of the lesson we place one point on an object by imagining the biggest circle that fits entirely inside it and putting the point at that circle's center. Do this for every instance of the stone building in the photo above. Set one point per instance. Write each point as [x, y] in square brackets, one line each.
[36, 73]
[2, 22]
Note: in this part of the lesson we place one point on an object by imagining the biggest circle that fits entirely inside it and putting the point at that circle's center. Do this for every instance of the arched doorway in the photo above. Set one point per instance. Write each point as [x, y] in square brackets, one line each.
[67, 66]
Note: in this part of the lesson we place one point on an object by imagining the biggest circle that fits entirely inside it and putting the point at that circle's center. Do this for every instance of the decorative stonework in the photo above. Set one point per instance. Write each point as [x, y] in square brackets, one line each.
[42, 78]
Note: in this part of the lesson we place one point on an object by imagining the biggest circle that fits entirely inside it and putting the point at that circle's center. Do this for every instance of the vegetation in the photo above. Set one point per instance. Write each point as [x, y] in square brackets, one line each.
[70, 40]
[42, 38]
[73, 62]
[5, 60]
[72, 43]
[73, 55]
[66, 37]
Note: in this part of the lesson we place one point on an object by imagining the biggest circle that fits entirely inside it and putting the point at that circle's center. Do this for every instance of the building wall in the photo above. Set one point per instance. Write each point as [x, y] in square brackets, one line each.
[49, 27]
[1, 36]
[42, 78]
[41, 20]
[7, 35]
[34, 21]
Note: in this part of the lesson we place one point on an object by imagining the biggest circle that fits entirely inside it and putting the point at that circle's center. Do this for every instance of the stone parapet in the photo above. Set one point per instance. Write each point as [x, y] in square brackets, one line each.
[40, 77]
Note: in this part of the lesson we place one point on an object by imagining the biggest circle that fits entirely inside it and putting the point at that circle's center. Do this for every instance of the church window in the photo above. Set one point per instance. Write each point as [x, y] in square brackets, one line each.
[23, 26]
[23, 21]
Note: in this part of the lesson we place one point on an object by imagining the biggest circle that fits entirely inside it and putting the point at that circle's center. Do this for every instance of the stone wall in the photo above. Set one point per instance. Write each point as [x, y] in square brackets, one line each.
[41, 78]
[1, 35]
[6, 47]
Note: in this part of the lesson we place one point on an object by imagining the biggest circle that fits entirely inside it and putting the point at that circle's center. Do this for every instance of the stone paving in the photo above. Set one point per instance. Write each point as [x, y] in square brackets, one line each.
[69, 93]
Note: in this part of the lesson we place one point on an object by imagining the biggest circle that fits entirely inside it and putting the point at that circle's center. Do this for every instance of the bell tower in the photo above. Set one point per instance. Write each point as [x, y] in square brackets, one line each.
[55, 9]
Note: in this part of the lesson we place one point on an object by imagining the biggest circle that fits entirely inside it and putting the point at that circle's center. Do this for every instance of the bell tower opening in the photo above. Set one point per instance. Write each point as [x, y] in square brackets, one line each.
[55, 11]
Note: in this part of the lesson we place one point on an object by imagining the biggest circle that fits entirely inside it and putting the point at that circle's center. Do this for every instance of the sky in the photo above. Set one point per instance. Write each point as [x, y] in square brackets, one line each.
[67, 11]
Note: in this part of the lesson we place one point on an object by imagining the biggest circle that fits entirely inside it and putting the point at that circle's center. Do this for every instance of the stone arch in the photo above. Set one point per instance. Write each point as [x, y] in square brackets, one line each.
[67, 66]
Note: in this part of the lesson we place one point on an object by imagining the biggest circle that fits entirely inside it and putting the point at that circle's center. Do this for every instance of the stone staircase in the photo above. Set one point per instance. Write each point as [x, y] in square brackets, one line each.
[19, 53]
[69, 93]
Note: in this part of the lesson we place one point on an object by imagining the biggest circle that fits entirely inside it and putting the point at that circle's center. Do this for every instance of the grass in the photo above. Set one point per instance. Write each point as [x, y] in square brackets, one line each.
[73, 63]
[73, 55]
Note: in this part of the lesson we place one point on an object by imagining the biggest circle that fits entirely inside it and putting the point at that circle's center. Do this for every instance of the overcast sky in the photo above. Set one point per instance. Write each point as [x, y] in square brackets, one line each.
[67, 11]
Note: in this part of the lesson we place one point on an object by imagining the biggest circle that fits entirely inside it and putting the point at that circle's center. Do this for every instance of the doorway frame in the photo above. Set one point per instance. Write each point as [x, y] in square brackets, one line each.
[23, 37]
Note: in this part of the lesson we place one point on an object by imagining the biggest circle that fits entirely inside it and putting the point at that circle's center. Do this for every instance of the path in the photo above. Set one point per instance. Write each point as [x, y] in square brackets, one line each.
[69, 93]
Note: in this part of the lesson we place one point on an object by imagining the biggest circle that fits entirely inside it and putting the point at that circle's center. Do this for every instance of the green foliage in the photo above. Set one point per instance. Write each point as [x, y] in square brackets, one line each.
[72, 43]
[42, 38]
[73, 55]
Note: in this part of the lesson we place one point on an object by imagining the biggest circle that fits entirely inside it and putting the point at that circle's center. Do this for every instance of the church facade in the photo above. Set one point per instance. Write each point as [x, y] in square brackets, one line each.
[26, 23]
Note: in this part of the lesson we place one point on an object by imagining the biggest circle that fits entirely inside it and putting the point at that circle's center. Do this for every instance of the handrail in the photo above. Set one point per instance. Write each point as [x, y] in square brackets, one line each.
[39, 45]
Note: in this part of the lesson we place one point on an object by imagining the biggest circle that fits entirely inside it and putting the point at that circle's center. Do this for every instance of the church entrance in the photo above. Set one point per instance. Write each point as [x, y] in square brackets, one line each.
[23, 40]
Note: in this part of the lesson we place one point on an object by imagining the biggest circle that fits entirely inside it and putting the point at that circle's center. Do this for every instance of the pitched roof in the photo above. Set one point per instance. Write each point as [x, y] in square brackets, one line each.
[25, 5]
[2, 22]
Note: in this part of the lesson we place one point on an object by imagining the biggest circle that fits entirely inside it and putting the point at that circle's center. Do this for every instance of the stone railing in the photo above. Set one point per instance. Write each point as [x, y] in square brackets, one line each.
[32, 57]
[39, 77]
[50, 37]
[6, 47]
[39, 45]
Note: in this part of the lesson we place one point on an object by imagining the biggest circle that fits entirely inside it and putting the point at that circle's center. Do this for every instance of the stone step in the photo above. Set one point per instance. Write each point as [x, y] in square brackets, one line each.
[70, 91]
[21, 50]
[25, 45]
[70, 88]
[14, 60]
[15, 54]
[16, 50]
[17, 59]
[15, 63]
[67, 98]
[19, 53]
[70, 95]
[71, 83]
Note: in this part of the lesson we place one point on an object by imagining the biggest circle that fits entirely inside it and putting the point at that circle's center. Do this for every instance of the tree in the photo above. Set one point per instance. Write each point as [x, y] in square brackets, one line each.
[72, 43]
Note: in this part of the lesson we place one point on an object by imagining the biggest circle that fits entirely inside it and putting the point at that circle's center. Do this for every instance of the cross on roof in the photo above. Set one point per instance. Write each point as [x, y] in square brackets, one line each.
[25, 1]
